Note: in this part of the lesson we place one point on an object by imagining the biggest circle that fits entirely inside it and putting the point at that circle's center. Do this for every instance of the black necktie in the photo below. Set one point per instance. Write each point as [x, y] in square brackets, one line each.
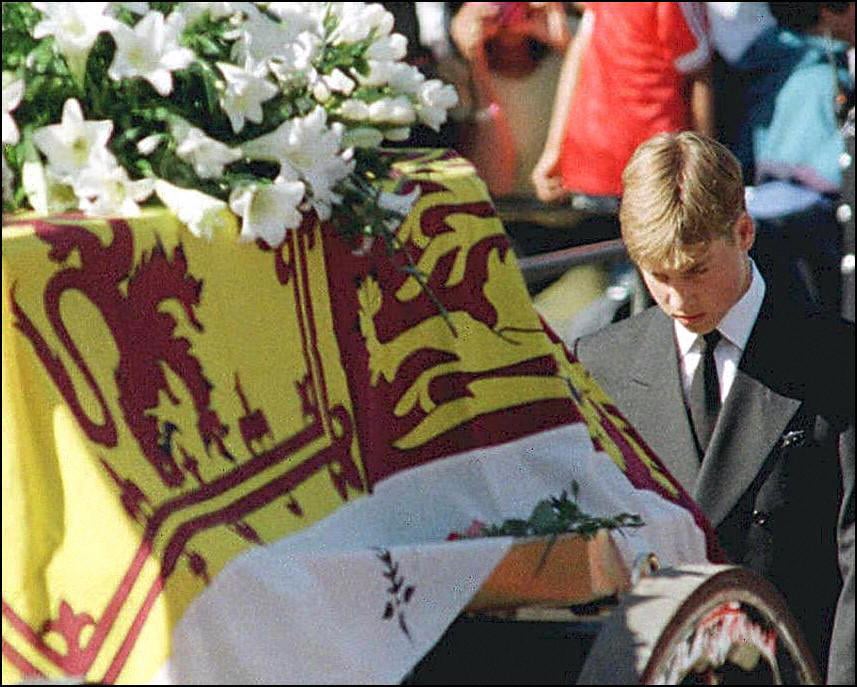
[704, 397]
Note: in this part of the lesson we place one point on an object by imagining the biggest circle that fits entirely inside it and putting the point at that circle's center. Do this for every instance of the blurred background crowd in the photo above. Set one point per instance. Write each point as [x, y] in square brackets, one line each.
[555, 97]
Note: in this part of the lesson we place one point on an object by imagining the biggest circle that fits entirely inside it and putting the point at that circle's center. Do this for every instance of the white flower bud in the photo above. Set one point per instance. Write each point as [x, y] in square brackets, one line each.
[204, 215]
[380, 73]
[399, 134]
[339, 82]
[392, 111]
[320, 92]
[148, 145]
[354, 109]
[363, 137]
[406, 78]
[392, 47]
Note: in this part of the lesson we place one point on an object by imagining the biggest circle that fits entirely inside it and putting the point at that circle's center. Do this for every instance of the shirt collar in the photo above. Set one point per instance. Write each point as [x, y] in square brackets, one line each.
[737, 324]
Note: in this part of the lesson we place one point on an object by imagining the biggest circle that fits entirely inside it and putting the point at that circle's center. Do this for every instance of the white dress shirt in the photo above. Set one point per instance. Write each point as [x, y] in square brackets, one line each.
[735, 328]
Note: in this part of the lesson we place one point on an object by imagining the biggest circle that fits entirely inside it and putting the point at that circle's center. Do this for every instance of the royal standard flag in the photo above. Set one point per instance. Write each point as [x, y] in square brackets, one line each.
[219, 458]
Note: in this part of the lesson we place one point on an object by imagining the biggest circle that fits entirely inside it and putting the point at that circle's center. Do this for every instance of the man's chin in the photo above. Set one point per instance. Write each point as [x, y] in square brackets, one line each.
[698, 324]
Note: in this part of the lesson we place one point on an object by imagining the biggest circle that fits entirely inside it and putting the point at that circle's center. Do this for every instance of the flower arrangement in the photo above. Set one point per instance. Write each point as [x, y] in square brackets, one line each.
[220, 110]
[552, 516]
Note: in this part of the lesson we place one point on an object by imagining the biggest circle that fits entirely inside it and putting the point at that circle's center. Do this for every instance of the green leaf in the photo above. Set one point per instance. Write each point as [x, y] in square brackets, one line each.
[557, 514]
[544, 518]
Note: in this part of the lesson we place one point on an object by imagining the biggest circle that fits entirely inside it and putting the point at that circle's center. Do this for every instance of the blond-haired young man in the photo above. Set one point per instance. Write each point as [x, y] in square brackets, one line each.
[760, 428]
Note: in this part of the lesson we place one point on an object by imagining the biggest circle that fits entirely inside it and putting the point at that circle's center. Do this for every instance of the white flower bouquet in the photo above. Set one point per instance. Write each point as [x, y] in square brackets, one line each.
[262, 110]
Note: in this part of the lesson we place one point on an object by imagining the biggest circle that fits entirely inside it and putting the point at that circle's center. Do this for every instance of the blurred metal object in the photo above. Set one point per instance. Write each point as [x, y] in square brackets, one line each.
[845, 215]
[645, 565]
[564, 215]
[551, 239]
[554, 264]
[700, 624]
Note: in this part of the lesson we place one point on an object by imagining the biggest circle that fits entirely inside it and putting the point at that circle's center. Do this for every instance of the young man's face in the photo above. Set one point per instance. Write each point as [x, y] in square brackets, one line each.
[700, 296]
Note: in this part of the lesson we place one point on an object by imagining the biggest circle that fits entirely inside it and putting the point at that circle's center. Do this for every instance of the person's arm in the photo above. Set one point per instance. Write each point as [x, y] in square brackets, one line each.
[491, 147]
[546, 175]
[702, 102]
[684, 35]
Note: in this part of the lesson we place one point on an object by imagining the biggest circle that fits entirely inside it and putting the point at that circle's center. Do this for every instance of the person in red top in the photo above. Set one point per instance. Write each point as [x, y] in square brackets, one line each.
[634, 69]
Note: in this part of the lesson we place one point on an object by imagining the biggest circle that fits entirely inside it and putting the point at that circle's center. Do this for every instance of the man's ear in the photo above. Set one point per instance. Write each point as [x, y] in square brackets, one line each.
[745, 232]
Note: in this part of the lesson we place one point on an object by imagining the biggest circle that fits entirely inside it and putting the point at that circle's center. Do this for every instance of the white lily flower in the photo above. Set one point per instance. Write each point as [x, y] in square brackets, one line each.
[108, 191]
[306, 148]
[261, 38]
[405, 78]
[322, 178]
[244, 94]
[392, 47]
[295, 60]
[74, 143]
[75, 27]
[398, 110]
[203, 215]
[299, 141]
[358, 20]
[435, 98]
[274, 57]
[13, 91]
[207, 155]
[380, 73]
[305, 16]
[45, 193]
[268, 211]
[150, 51]
[401, 204]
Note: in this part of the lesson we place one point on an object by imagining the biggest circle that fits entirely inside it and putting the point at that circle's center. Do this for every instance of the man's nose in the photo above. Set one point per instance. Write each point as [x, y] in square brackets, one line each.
[680, 298]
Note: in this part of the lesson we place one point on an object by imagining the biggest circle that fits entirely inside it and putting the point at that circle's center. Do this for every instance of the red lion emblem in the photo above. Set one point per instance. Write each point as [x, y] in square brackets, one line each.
[144, 336]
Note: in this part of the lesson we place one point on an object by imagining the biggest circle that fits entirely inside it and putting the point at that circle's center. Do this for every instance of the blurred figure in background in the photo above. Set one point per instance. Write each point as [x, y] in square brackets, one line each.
[797, 90]
[514, 51]
[735, 26]
[634, 69]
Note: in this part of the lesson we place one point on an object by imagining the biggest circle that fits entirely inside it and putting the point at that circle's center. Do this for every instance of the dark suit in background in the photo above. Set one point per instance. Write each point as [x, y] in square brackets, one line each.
[777, 481]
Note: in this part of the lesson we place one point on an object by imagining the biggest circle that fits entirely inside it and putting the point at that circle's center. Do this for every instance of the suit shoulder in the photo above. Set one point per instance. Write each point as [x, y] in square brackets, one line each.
[618, 334]
[615, 342]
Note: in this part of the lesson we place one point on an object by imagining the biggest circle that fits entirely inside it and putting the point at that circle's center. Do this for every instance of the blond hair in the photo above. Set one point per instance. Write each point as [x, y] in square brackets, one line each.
[681, 191]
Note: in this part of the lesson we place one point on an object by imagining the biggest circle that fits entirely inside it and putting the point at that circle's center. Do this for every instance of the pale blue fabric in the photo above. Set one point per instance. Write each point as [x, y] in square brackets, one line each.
[789, 130]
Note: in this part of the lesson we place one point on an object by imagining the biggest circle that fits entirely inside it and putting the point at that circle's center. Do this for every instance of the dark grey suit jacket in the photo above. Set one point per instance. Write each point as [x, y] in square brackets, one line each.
[777, 481]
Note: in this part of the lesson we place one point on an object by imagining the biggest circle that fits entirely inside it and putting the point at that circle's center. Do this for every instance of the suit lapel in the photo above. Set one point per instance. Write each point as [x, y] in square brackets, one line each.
[751, 421]
[658, 402]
